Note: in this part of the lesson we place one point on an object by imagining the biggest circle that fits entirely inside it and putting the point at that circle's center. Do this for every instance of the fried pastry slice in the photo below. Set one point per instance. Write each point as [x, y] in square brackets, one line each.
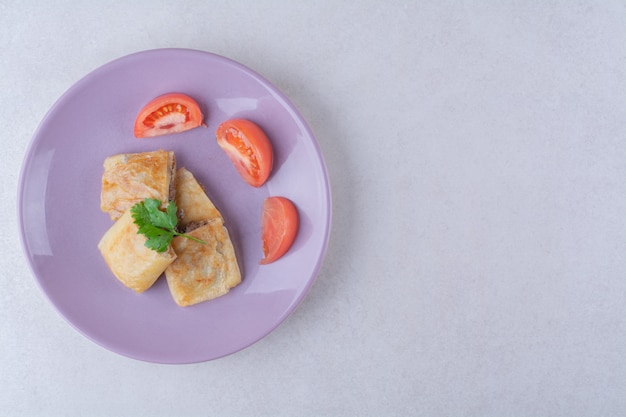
[129, 178]
[202, 272]
[193, 204]
[124, 251]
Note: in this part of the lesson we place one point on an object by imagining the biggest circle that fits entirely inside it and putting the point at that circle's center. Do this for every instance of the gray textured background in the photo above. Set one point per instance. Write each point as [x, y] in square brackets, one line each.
[477, 262]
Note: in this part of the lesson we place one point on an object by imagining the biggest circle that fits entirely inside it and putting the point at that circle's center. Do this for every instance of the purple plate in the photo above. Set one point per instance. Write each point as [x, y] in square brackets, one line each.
[61, 222]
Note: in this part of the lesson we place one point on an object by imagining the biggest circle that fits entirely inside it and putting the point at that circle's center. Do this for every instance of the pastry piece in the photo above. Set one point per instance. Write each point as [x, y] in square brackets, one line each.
[203, 271]
[193, 204]
[135, 265]
[129, 178]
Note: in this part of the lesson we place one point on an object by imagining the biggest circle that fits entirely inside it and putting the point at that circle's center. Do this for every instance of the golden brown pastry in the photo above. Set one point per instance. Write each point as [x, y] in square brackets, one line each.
[200, 272]
[135, 265]
[129, 178]
[191, 200]
[203, 271]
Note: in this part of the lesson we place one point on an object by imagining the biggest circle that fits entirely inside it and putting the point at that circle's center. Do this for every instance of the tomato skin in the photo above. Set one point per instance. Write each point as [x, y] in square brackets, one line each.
[166, 114]
[249, 149]
[279, 227]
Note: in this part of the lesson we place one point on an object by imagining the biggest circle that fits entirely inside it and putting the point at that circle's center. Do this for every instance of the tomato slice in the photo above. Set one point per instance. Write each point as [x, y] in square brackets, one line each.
[279, 227]
[248, 148]
[169, 113]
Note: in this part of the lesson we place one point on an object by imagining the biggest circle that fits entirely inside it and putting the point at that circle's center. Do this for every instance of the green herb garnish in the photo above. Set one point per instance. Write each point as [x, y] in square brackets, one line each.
[159, 227]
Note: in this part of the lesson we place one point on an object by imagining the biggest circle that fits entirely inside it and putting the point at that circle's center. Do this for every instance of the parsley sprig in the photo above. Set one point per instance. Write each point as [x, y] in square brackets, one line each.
[159, 227]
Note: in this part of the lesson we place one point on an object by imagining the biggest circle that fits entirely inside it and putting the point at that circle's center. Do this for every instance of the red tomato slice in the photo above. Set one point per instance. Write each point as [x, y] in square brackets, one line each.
[169, 113]
[279, 227]
[248, 148]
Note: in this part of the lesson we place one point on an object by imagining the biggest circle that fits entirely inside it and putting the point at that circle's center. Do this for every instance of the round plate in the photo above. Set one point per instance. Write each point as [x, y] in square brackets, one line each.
[61, 221]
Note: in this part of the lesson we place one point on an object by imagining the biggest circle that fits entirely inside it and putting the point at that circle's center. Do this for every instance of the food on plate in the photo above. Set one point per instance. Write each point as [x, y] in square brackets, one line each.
[135, 265]
[168, 113]
[146, 240]
[200, 272]
[203, 272]
[129, 178]
[192, 202]
[248, 147]
[157, 226]
[279, 227]
[164, 220]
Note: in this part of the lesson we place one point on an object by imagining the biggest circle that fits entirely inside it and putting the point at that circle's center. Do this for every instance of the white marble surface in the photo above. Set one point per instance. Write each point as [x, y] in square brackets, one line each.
[477, 262]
